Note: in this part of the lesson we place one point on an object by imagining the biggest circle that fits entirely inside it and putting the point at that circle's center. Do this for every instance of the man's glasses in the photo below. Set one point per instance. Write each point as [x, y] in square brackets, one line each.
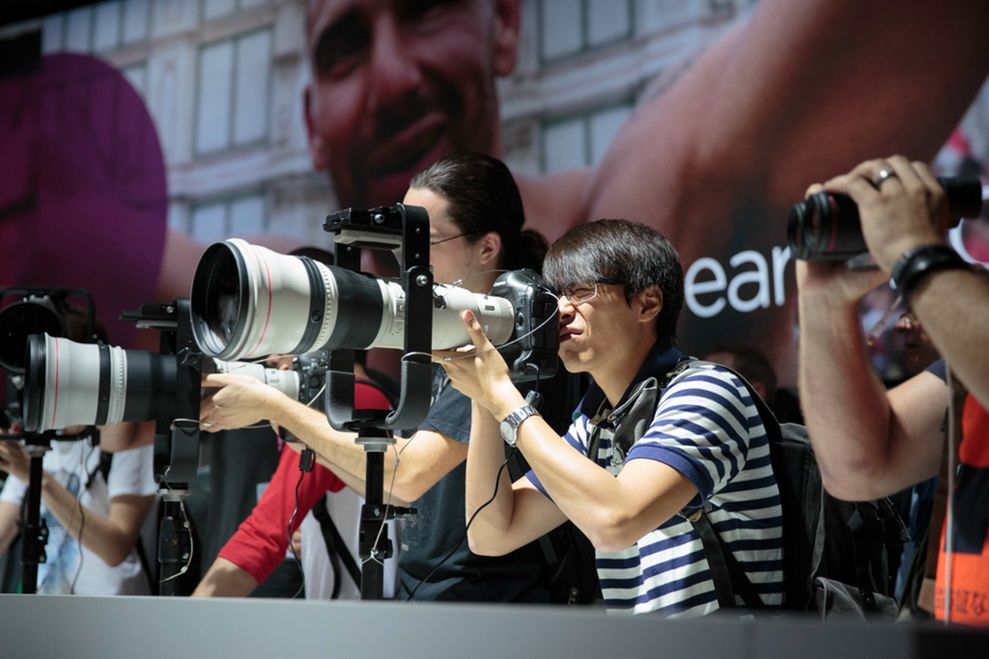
[434, 243]
[585, 292]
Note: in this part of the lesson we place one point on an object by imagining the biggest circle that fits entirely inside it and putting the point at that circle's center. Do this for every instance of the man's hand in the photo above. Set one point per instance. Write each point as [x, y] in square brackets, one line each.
[14, 460]
[834, 285]
[480, 373]
[241, 401]
[899, 210]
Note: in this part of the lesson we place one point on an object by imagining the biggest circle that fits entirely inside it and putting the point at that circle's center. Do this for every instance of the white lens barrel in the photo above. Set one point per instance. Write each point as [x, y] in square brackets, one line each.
[284, 381]
[71, 384]
[71, 387]
[293, 305]
[495, 314]
[279, 303]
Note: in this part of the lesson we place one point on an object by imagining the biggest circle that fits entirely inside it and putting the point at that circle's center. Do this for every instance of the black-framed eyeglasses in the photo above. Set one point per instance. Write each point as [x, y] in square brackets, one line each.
[582, 293]
[434, 243]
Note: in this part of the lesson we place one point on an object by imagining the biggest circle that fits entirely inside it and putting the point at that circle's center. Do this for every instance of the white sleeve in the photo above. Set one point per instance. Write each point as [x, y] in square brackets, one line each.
[14, 490]
[131, 472]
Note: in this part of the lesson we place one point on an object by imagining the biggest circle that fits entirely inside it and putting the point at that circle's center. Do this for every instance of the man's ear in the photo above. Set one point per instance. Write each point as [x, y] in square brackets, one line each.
[490, 249]
[506, 36]
[316, 146]
[650, 303]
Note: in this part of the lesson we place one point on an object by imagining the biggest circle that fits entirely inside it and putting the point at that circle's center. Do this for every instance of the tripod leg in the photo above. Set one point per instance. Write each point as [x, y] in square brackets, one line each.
[174, 545]
[374, 543]
[35, 531]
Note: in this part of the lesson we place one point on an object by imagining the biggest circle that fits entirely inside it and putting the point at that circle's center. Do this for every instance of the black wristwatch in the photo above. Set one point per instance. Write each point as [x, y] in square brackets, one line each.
[916, 263]
[510, 425]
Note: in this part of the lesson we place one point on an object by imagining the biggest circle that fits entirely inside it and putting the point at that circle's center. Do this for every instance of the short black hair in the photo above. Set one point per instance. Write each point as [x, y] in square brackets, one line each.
[482, 196]
[623, 252]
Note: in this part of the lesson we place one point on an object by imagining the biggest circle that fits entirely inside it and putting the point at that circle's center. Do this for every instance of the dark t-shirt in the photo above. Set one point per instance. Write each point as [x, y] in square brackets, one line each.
[241, 463]
[938, 368]
[439, 527]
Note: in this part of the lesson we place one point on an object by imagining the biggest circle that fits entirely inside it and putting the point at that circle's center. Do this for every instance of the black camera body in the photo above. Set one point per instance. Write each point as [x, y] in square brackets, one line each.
[531, 353]
[311, 368]
[826, 226]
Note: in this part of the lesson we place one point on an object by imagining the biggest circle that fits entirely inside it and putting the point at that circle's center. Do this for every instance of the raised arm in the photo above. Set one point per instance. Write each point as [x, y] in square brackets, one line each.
[425, 457]
[110, 537]
[613, 512]
[10, 517]
[869, 442]
[518, 513]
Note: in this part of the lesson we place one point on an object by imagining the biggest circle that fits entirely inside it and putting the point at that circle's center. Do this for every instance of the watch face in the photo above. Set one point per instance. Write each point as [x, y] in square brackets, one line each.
[507, 431]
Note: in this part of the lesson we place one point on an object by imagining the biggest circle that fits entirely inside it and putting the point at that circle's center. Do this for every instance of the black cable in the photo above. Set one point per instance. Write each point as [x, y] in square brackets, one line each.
[533, 398]
[306, 459]
[466, 527]
[82, 519]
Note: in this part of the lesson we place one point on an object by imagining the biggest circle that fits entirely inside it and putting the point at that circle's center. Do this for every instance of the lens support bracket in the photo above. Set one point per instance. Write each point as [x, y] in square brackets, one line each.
[403, 230]
[176, 453]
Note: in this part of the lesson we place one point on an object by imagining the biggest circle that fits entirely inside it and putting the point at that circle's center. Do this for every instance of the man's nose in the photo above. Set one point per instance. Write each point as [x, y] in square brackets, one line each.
[566, 308]
[394, 69]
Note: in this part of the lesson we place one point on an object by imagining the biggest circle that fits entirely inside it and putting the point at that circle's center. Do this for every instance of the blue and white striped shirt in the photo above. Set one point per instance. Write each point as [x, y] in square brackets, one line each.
[707, 428]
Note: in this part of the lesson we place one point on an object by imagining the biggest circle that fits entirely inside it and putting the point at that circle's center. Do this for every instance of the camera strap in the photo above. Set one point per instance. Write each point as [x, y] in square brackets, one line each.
[336, 548]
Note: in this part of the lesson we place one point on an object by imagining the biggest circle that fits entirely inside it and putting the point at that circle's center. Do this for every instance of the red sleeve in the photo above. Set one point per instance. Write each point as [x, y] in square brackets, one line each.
[369, 397]
[260, 543]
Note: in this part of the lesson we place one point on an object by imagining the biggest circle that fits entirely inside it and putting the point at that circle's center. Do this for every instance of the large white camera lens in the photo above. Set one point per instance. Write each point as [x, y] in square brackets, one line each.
[248, 301]
[79, 384]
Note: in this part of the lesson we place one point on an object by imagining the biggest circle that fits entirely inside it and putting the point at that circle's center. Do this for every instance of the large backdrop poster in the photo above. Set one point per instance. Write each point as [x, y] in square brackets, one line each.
[151, 128]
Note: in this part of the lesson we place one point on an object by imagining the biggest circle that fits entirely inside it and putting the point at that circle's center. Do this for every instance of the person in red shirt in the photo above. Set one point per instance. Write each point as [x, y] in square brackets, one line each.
[260, 543]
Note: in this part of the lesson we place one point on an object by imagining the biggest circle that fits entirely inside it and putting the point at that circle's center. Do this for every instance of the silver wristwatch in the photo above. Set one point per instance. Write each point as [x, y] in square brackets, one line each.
[510, 426]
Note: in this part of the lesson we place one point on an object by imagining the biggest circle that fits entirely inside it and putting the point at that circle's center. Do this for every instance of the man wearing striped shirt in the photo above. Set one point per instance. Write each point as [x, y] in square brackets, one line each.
[665, 451]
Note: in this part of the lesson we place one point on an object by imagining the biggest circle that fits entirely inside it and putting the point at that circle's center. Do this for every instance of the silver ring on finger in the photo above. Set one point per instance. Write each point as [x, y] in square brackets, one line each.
[884, 175]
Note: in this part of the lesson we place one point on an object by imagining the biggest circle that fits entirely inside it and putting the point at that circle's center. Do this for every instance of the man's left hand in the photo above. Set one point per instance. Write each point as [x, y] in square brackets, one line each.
[480, 373]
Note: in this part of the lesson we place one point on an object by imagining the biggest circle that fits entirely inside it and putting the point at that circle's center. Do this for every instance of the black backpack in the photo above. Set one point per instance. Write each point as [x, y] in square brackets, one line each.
[839, 557]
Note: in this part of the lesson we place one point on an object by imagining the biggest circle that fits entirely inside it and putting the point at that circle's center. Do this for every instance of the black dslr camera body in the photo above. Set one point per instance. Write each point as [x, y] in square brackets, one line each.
[531, 353]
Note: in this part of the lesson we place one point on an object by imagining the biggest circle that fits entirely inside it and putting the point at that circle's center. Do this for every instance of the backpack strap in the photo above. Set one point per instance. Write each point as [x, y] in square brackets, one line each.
[728, 576]
[336, 548]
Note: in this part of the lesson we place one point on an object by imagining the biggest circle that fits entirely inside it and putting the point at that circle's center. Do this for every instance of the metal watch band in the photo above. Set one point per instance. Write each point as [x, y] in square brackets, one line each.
[510, 425]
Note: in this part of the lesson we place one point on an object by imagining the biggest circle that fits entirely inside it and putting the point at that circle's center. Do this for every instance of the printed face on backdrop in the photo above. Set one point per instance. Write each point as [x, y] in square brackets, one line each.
[399, 84]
